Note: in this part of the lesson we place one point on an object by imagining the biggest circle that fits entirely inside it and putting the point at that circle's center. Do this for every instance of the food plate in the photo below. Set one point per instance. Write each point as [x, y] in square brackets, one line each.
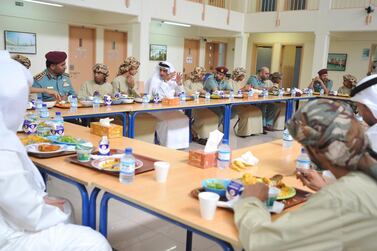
[67, 140]
[86, 103]
[67, 105]
[343, 95]
[44, 148]
[286, 193]
[140, 100]
[127, 100]
[50, 104]
[112, 164]
[33, 139]
[116, 102]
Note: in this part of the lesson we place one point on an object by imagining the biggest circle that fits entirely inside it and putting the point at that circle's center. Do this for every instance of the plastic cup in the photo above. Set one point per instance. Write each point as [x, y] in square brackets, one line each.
[161, 171]
[208, 204]
[273, 193]
[83, 153]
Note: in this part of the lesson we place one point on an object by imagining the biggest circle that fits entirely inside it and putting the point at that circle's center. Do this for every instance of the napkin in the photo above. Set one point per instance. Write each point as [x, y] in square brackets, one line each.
[248, 158]
[105, 122]
[213, 141]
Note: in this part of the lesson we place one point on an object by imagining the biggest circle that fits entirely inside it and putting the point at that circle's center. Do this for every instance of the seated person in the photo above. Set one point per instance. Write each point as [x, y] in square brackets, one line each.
[341, 215]
[54, 77]
[125, 81]
[276, 79]
[97, 84]
[349, 82]
[29, 219]
[250, 120]
[321, 82]
[173, 126]
[279, 120]
[270, 110]
[205, 121]
[26, 62]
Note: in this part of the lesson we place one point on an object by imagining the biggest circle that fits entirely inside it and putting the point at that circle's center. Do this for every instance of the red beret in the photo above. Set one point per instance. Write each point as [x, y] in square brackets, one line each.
[56, 57]
[222, 69]
[321, 72]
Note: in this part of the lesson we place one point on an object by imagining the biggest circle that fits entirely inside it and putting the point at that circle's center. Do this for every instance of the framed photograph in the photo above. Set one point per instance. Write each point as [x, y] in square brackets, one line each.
[336, 62]
[20, 42]
[365, 53]
[158, 52]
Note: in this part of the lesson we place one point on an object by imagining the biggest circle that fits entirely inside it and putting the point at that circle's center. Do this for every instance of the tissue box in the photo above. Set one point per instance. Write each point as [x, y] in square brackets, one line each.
[201, 159]
[170, 101]
[112, 131]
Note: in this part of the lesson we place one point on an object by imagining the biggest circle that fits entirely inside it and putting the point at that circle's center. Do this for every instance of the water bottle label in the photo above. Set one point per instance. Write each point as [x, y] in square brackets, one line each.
[29, 127]
[303, 164]
[224, 156]
[104, 149]
[58, 130]
[128, 168]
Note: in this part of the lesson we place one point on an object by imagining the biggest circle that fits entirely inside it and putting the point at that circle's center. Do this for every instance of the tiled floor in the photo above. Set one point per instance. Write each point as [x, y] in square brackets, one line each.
[133, 230]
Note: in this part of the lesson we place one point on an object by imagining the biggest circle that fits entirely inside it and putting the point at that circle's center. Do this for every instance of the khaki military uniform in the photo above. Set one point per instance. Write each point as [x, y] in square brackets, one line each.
[205, 120]
[250, 119]
[120, 85]
[89, 87]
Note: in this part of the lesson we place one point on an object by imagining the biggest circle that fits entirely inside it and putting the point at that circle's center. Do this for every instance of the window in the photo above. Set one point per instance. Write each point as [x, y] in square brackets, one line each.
[267, 5]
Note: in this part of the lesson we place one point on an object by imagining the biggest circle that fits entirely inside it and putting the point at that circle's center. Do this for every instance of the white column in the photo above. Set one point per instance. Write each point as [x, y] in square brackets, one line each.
[140, 45]
[100, 45]
[324, 5]
[321, 51]
[202, 53]
[240, 50]
[276, 57]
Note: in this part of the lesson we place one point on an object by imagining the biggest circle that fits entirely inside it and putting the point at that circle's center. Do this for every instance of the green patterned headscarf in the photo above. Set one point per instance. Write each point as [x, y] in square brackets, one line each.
[330, 127]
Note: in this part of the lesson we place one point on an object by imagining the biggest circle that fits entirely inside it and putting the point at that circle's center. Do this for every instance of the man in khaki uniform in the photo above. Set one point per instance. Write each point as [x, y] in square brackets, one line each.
[205, 121]
[97, 84]
[250, 120]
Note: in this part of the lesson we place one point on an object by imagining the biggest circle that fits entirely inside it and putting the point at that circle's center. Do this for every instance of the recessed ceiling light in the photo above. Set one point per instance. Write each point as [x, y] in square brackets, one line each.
[177, 24]
[45, 3]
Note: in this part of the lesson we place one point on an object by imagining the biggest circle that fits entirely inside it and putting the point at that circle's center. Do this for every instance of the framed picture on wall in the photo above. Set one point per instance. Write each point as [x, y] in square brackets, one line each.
[158, 52]
[20, 42]
[336, 62]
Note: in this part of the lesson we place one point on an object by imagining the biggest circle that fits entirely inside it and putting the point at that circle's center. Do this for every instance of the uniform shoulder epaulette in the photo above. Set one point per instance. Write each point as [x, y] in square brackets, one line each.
[39, 76]
[66, 74]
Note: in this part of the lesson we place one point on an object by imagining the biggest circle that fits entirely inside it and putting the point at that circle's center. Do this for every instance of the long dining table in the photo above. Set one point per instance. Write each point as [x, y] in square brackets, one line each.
[170, 201]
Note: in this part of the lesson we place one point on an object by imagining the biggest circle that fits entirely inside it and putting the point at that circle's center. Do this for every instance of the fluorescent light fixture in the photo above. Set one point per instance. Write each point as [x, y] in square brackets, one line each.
[177, 24]
[45, 3]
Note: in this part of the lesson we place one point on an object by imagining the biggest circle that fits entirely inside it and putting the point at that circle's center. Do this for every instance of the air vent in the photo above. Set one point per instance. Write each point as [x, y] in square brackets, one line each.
[19, 3]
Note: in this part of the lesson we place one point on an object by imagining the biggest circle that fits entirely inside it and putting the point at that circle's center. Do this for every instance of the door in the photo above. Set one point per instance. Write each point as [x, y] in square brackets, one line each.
[190, 56]
[115, 51]
[263, 57]
[215, 55]
[81, 55]
[372, 68]
[290, 65]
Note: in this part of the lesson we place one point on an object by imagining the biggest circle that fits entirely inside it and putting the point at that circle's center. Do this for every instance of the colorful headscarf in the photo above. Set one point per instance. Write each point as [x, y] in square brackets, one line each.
[22, 60]
[197, 74]
[237, 72]
[130, 62]
[331, 128]
[275, 76]
[350, 78]
[101, 68]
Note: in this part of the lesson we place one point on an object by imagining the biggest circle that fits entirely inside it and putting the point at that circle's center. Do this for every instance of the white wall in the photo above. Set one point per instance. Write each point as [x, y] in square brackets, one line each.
[276, 40]
[351, 43]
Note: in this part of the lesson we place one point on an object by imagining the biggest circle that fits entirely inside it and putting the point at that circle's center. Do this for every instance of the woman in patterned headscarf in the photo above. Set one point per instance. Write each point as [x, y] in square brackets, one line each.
[341, 215]
[349, 82]
[98, 84]
[125, 81]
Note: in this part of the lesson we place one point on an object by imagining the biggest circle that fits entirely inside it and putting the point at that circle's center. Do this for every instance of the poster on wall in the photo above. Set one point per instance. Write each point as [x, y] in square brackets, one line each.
[365, 53]
[20, 42]
[158, 52]
[336, 62]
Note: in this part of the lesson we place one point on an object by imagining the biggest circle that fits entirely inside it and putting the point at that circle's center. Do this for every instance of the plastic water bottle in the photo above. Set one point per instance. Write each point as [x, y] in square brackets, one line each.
[293, 92]
[250, 93]
[183, 97]
[207, 96]
[38, 105]
[287, 139]
[303, 161]
[310, 92]
[321, 92]
[145, 99]
[239, 93]
[231, 95]
[265, 93]
[58, 124]
[104, 146]
[44, 113]
[223, 155]
[74, 102]
[96, 101]
[127, 167]
[281, 92]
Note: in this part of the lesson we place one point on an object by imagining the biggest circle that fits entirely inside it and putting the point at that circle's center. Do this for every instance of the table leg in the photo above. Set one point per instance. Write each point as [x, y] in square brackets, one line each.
[226, 121]
[188, 113]
[83, 193]
[93, 207]
[131, 124]
[188, 240]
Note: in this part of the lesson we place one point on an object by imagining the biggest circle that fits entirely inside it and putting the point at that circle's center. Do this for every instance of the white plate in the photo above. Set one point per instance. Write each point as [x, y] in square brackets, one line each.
[99, 162]
[33, 148]
[127, 101]
[50, 104]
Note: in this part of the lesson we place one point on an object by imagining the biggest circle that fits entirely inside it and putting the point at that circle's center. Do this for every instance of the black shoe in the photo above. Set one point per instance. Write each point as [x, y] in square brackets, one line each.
[202, 141]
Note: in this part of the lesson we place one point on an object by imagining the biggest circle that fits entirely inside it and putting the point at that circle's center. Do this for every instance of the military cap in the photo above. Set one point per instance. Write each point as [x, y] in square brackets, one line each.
[56, 57]
[222, 69]
[321, 72]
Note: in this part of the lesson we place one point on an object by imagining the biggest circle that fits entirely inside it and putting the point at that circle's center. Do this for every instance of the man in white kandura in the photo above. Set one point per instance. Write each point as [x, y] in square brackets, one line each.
[29, 219]
[173, 126]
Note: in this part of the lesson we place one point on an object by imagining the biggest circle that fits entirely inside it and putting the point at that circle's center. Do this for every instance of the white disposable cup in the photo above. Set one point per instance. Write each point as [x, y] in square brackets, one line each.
[273, 193]
[328, 176]
[161, 171]
[208, 204]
